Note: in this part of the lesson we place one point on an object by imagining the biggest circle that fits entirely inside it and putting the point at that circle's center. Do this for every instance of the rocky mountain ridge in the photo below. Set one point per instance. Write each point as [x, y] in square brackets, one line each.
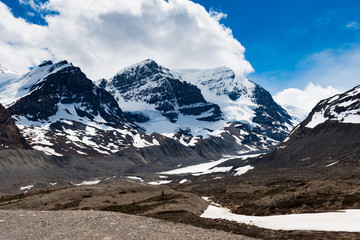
[182, 96]
[146, 114]
[329, 137]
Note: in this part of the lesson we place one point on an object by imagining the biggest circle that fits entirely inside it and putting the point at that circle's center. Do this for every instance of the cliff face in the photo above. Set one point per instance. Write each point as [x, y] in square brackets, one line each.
[10, 137]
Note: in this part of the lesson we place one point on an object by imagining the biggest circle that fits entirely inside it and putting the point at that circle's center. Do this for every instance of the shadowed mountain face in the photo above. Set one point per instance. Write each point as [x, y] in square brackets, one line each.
[156, 86]
[65, 92]
[10, 137]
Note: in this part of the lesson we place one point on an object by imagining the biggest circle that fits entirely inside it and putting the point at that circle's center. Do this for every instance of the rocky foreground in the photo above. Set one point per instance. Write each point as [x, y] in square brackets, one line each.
[20, 224]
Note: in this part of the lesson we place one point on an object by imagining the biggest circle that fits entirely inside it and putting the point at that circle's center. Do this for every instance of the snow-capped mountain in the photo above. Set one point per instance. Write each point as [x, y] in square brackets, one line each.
[6, 70]
[328, 137]
[179, 104]
[16, 86]
[6, 75]
[241, 100]
[190, 105]
[61, 112]
[343, 108]
[155, 86]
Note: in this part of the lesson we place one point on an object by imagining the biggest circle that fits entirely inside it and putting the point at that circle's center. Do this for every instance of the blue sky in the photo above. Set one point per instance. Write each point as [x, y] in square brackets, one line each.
[27, 12]
[308, 47]
[280, 35]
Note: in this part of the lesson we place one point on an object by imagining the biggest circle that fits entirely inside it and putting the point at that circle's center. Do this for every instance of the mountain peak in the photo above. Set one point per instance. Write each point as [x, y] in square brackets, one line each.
[45, 63]
[6, 70]
[341, 108]
[148, 61]
[143, 68]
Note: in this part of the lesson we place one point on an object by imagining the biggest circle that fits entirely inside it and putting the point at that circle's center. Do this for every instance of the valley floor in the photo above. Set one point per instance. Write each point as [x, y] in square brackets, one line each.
[260, 192]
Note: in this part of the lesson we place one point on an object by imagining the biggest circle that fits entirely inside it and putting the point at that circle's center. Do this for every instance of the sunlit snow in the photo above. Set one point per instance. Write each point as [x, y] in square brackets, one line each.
[210, 167]
[346, 220]
[93, 182]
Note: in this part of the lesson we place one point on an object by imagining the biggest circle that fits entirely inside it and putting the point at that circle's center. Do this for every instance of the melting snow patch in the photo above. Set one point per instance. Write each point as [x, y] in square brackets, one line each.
[94, 182]
[332, 164]
[184, 181]
[316, 119]
[80, 152]
[26, 187]
[141, 143]
[135, 178]
[242, 170]
[47, 150]
[214, 170]
[199, 168]
[286, 139]
[160, 182]
[347, 220]
[206, 168]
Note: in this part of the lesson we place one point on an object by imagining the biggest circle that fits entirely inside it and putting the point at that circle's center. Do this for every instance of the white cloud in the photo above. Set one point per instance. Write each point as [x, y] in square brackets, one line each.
[102, 37]
[299, 103]
[353, 25]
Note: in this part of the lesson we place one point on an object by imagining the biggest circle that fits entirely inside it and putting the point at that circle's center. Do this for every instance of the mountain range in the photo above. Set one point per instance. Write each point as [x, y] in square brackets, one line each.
[62, 112]
[149, 118]
[145, 118]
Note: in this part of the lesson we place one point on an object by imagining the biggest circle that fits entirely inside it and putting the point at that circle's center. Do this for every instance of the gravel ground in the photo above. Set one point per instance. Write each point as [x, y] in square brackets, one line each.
[21, 224]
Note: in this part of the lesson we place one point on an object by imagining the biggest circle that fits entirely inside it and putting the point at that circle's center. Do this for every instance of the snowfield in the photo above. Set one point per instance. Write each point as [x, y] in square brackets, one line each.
[346, 220]
[210, 167]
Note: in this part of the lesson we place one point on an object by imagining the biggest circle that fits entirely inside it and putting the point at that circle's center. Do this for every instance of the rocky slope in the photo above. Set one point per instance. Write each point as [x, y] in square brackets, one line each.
[10, 137]
[329, 137]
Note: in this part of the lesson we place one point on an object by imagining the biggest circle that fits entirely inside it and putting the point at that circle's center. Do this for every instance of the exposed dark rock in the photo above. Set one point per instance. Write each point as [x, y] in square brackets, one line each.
[10, 137]
[153, 84]
[68, 86]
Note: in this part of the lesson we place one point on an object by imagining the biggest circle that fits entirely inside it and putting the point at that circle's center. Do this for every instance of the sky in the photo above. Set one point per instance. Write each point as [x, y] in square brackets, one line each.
[286, 40]
[299, 50]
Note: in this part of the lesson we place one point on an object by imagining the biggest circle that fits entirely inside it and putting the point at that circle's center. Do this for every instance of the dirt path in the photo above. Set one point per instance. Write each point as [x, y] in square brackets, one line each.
[21, 224]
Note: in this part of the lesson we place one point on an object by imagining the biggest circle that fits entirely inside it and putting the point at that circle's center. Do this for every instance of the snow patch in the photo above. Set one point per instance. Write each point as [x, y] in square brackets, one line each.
[346, 220]
[207, 168]
[26, 187]
[93, 182]
[184, 181]
[135, 178]
[316, 119]
[160, 182]
[242, 170]
[332, 164]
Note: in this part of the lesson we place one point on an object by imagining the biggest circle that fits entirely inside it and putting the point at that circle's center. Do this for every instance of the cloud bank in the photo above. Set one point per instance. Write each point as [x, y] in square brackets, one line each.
[102, 37]
[299, 103]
